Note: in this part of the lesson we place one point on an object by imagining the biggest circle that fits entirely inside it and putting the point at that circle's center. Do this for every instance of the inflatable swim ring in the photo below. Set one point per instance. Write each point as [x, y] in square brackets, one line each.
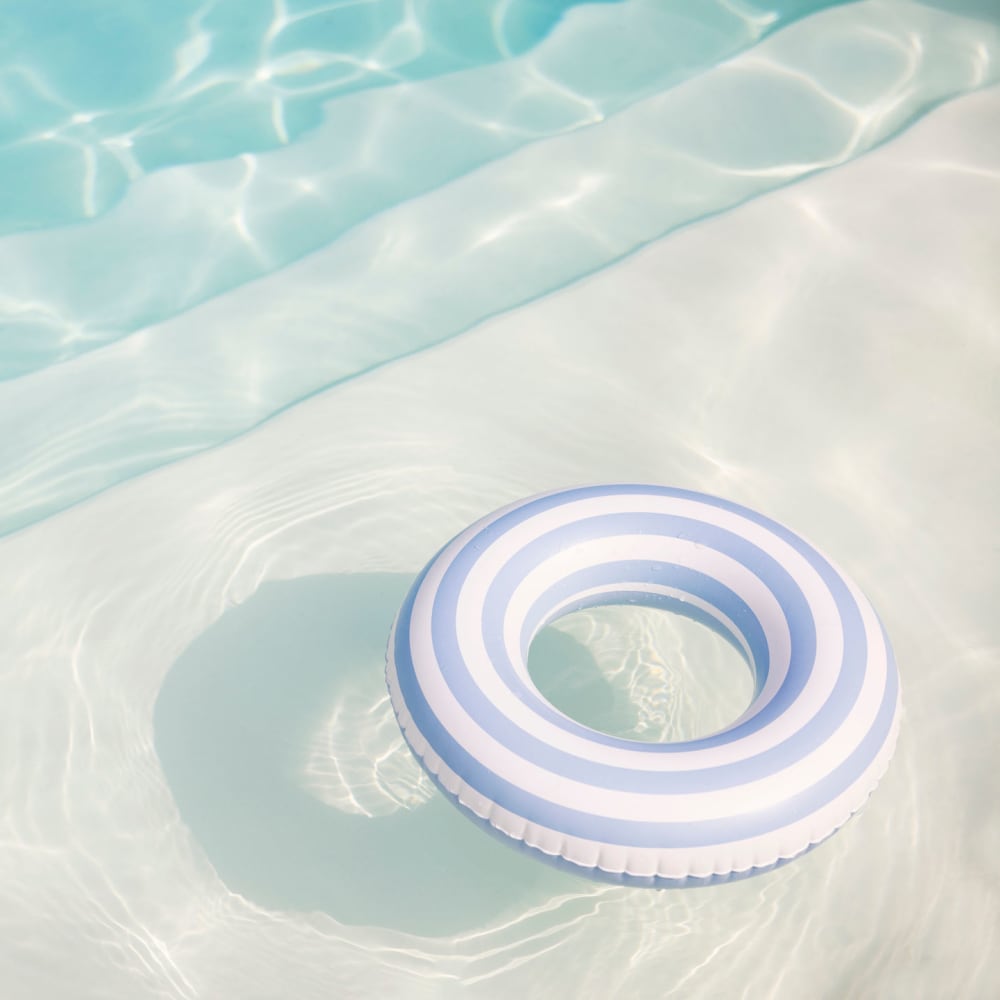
[801, 759]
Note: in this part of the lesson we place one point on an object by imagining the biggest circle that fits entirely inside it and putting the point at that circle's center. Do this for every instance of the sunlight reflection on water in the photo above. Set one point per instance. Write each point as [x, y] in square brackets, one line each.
[205, 793]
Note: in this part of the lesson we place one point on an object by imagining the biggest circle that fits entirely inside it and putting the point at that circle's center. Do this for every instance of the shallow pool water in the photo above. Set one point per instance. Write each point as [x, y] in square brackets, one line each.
[292, 291]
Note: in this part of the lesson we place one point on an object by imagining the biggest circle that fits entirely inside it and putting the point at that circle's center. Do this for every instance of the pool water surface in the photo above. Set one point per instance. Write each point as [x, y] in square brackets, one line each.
[292, 291]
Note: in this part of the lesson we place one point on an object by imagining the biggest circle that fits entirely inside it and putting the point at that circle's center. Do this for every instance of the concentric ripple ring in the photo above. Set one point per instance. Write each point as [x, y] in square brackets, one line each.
[802, 758]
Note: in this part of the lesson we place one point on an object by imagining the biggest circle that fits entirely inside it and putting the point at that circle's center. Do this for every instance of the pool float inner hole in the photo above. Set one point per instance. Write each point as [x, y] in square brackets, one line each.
[642, 672]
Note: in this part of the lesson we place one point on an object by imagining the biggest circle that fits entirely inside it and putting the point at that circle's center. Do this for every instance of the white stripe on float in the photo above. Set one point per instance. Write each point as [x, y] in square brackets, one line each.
[740, 580]
[446, 707]
[758, 851]
[696, 860]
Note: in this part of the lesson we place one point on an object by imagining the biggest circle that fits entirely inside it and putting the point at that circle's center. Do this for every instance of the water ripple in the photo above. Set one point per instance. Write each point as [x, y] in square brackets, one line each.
[795, 380]
[495, 238]
[829, 353]
[218, 225]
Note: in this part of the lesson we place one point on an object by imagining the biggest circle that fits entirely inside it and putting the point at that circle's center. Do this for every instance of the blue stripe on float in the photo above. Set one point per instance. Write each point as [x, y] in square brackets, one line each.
[528, 745]
[772, 573]
[640, 832]
[580, 823]
[493, 527]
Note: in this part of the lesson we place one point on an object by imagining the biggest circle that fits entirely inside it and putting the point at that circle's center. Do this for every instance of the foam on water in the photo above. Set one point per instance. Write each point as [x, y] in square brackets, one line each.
[204, 794]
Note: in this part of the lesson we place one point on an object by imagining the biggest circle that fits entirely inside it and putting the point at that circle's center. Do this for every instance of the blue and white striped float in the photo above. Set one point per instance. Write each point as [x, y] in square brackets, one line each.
[804, 756]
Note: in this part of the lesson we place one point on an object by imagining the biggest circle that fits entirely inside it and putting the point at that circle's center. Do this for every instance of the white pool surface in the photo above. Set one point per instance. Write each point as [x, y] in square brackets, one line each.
[230, 443]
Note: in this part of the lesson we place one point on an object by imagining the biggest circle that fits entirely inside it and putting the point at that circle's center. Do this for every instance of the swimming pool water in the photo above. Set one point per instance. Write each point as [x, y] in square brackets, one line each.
[291, 291]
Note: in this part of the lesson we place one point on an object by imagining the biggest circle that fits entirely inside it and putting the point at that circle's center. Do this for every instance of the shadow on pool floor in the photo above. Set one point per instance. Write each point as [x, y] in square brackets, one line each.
[233, 723]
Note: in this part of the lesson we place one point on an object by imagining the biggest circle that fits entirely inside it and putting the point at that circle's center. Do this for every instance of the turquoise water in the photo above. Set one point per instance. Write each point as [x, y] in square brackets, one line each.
[650, 119]
[290, 292]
